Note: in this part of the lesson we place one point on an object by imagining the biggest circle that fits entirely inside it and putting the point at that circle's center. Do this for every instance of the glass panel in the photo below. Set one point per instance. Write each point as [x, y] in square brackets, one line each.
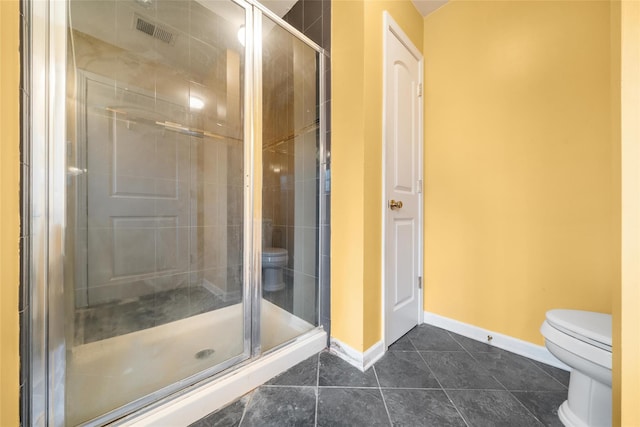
[154, 250]
[290, 139]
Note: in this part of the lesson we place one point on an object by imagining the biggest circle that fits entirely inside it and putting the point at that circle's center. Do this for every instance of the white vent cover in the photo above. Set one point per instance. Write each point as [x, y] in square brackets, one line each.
[154, 30]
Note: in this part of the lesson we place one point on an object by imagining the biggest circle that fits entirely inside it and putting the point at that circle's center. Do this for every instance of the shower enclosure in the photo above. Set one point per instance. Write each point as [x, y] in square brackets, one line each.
[165, 133]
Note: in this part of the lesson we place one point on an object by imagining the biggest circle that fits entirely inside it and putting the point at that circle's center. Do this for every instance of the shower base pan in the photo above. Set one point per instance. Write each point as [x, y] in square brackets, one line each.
[110, 373]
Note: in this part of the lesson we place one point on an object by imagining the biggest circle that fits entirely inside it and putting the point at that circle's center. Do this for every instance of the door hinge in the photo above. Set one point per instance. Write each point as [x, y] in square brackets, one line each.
[419, 90]
[419, 282]
[419, 186]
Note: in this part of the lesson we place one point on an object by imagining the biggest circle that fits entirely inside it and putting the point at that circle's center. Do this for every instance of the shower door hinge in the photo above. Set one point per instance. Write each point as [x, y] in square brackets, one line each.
[419, 282]
[419, 186]
[419, 90]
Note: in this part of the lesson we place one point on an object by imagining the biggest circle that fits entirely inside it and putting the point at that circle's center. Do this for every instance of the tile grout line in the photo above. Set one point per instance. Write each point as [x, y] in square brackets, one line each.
[524, 406]
[548, 374]
[503, 386]
[349, 387]
[286, 386]
[246, 406]
[509, 352]
[317, 388]
[384, 401]
[478, 362]
[464, 348]
[442, 388]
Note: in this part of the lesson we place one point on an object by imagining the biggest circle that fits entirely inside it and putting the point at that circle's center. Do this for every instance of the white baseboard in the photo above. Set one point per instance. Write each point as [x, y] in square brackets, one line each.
[200, 402]
[505, 342]
[362, 361]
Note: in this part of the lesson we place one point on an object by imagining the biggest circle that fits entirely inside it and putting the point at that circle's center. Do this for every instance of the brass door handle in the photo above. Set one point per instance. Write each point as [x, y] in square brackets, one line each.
[395, 205]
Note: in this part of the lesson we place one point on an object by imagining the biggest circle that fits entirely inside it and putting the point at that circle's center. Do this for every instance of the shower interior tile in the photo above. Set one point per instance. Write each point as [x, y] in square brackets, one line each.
[284, 297]
[310, 254]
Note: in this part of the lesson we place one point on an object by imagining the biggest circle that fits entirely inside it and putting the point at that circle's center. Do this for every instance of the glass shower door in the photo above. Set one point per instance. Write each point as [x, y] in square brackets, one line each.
[291, 147]
[154, 271]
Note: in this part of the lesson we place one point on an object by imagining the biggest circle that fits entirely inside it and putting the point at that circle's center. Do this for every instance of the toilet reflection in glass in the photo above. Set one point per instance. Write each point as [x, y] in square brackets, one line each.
[273, 260]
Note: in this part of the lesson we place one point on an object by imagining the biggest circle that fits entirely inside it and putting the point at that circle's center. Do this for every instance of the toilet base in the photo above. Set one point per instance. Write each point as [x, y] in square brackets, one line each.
[589, 403]
[567, 417]
[272, 279]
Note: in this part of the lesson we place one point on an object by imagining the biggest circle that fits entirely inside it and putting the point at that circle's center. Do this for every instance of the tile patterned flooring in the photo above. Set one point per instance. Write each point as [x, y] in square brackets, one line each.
[430, 377]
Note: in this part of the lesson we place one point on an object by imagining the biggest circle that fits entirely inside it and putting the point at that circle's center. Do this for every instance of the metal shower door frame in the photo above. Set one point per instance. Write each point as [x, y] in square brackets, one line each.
[44, 137]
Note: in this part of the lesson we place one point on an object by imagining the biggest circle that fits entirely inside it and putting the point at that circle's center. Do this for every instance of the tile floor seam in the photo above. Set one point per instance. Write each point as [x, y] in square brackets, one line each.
[348, 386]
[463, 347]
[317, 387]
[464, 420]
[500, 382]
[547, 374]
[411, 388]
[525, 407]
[384, 402]
[507, 388]
[444, 391]
[246, 405]
[485, 369]
[286, 386]
[474, 389]
[431, 370]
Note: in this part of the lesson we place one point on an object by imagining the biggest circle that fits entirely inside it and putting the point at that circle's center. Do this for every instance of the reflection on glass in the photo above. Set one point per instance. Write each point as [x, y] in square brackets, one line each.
[154, 250]
[290, 139]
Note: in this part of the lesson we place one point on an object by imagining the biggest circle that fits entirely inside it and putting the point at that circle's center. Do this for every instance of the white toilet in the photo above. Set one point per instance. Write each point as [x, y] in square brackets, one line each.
[582, 340]
[273, 260]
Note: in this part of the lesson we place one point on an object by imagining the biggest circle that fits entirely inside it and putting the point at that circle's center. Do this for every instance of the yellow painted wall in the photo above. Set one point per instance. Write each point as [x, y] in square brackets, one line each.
[522, 180]
[347, 171]
[9, 211]
[356, 135]
[626, 315]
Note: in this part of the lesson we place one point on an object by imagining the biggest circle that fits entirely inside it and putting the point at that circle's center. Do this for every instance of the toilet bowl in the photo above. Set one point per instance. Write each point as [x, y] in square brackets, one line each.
[582, 340]
[273, 260]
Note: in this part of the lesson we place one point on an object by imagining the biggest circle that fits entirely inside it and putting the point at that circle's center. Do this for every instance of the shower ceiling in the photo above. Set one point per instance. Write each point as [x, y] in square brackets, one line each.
[191, 37]
[214, 23]
[114, 22]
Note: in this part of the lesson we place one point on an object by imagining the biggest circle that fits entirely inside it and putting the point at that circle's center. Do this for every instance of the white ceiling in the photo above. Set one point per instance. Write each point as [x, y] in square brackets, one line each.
[425, 7]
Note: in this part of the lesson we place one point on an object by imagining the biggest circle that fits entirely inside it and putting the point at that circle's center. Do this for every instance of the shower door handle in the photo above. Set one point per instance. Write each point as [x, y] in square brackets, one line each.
[393, 205]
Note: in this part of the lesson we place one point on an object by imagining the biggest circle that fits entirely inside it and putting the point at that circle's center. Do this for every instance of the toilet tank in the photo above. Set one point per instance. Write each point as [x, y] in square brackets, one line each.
[267, 232]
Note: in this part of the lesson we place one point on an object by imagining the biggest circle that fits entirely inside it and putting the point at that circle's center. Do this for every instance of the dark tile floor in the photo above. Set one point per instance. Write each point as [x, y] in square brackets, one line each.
[430, 377]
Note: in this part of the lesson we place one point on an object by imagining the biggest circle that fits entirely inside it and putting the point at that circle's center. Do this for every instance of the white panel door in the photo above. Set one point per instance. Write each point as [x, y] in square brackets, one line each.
[402, 144]
[137, 194]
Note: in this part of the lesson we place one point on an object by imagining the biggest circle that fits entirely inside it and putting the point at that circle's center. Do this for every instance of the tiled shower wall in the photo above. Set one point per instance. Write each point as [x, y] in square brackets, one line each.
[313, 18]
[205, 245]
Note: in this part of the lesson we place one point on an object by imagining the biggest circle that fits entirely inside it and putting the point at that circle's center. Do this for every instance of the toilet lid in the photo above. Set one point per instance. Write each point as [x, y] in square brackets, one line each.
[587, 326]
[274, 252]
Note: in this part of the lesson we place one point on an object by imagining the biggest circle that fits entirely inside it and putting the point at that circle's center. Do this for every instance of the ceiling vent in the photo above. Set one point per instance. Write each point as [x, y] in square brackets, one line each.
[154, 30]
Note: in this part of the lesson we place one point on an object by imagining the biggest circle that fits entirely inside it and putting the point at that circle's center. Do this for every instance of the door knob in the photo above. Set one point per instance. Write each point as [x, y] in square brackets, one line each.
[395, 205]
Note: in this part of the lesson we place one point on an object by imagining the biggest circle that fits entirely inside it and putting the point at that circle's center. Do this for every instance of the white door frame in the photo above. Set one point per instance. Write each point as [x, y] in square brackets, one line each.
[391, 27]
